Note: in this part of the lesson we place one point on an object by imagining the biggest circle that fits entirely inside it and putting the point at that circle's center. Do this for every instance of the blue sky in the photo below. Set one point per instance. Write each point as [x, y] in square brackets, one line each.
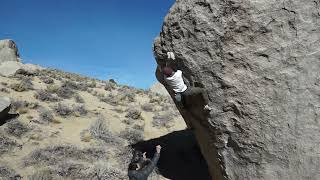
[98, 38]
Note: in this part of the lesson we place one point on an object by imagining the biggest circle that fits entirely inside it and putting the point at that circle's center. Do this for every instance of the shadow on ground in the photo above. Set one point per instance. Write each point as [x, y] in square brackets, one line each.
[180, 159]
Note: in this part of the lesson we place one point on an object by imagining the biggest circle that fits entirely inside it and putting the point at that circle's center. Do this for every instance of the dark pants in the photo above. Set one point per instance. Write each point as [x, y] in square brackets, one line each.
[191, 91]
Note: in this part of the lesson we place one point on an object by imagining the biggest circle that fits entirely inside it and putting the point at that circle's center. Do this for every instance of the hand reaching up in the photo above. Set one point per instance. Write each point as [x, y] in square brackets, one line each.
[158, 148]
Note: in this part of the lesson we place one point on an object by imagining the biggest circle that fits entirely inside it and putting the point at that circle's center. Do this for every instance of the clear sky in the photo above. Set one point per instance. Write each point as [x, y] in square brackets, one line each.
[98, 38]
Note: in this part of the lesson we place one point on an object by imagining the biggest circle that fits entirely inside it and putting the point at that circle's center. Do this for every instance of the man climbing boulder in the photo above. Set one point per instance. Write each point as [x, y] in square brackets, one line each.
[175, 81]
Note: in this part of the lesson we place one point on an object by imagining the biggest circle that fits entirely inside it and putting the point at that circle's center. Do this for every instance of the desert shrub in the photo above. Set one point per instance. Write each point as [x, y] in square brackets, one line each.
[138, 127]
[43, 95]
[110, 99]
[78, 98]
[132, 135]
[85, 136]
[6, 144]
[52, 88]
[46, 79]
[19, 106]
[42, 175]
[99, 131]
[5, 90]
[79, 110]
[25, 84]
[72, 170]
[22, 106]
[65, 92]
[7, 173]
[109, 86]
[164, 120]
[123, 155]
[75, 85]
[155, 99]
[4, 83]
[128, 121]
[147, 107]
[92, 84]
[55, 154]
[106, 171]
[133, 113]
[62, 109]
[46, 115]
[16, 128]
[128, 95]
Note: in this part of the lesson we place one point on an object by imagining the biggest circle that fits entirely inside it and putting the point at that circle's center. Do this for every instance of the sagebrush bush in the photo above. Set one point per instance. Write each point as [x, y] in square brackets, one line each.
[25, 84]
[78, 98]
[62, 109]
[109, 86]
[128, 95]
[147, 107]
[46, 79]
[110, 99]
[128, 121]
[19, 106]
[5, 90]
[60, 153]
[65, 92]
[7, 173]
[6, 144]
[16, 128]
[100, 131]
[163, 120]
[41, 175]
[43, 95]
[79, 110]
[105, 171]
[52, 88]
[133, 113]
[46, 115]
[132, 135]
[138, 127]
[91, 84]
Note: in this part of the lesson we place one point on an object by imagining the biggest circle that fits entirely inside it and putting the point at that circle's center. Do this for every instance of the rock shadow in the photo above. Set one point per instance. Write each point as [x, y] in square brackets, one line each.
[181, 158]
[5, 118]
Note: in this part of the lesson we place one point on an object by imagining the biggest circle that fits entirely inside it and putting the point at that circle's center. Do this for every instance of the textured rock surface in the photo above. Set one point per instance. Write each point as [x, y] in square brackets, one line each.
[159, 88]
[10, 68]
[8, 51]
[260, 62]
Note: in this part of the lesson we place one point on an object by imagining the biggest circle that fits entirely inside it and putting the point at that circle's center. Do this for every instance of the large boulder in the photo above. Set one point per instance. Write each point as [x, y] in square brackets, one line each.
[10, 68]
[259, 61]
[8, 51]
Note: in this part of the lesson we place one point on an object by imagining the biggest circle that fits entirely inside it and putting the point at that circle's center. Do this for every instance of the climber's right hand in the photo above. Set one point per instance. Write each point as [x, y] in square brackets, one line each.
[158, 148]
[170, 56]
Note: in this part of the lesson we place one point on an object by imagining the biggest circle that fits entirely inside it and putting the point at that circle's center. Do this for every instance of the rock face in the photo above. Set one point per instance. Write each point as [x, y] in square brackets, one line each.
[10, 63]
[8, 51]
[259, 61]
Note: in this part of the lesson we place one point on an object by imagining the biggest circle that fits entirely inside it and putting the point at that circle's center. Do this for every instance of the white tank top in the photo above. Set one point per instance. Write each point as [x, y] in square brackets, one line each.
[176, 82]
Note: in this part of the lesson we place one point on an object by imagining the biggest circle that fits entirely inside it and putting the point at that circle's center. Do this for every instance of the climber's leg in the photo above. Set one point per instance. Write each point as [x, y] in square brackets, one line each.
[179, 100]
[191, 91]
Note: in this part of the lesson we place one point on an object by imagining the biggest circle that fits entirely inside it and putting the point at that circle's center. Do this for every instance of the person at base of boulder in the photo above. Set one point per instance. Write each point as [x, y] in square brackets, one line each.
[175, 80]
[137, 172]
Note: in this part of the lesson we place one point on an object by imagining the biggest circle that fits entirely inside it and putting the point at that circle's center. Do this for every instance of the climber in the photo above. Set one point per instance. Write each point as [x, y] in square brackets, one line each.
[175, 80]
[140, 158]
[136, 171]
